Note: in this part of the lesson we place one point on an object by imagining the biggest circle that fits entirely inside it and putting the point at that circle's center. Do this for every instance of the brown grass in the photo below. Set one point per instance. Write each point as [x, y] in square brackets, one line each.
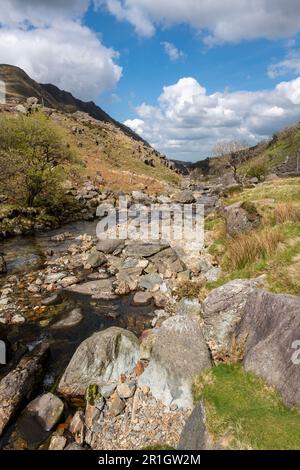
[287, 212]
[235, 354]
[250, 247]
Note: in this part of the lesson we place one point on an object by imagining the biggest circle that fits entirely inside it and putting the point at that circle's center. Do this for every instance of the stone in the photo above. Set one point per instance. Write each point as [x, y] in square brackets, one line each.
[143, 250]
[185, 197]
[51, 300]
[116, 405]
[184, 276]
[47, 408]
[17, 319]
[223, 309]
[33, 289]
[68, 281]
[194, 435]
[213, 274]
[57, 442]
[77, 427]
[55, 277]
[188, 307]
[74, 446]
[142, 298]
[126, 390]
[150, 282]
[178, 354]
[110, 246]
[167, 260]
[99, 289]
[69, 320]
[139, 196]
[95, 259]
[19, 383]
[3, 266]
[108, 389]
[241, 217]
[271, 326]
[101, 358]
[92, 414]
[160, 299]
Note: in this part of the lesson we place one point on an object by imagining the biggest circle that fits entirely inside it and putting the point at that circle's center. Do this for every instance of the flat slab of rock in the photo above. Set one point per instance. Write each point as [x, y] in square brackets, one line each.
[271, 323]
[142, 298]
[47, 408]
[100, 359]
[98, 289]
[69, 320]
[19, 383]
[110, 246]
[178, 354]
[144, 250]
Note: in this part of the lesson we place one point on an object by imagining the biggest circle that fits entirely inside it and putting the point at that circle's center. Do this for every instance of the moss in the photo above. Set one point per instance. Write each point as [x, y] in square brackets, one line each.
[159, 446]
[245, 413]
[92, 394]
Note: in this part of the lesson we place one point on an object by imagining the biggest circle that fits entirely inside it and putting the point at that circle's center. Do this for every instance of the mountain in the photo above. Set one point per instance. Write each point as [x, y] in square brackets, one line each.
[19, 87]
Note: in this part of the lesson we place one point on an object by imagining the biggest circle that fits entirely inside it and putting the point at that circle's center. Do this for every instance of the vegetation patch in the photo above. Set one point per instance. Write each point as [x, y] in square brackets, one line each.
[245, 413]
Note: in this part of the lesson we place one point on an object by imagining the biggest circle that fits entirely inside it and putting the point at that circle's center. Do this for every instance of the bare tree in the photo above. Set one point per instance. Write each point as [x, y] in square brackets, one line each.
[236, 150]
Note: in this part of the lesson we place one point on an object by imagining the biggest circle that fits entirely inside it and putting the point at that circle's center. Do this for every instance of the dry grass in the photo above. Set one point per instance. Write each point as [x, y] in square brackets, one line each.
[287, 212]
[253, 246]
[191, 290]
[235, 354]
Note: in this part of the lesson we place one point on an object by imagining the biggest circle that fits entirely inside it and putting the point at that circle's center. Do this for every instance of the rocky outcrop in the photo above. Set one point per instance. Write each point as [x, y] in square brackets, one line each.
[241, 217]
[20, 382]
[99, 359]
[271, 323]
[178, 353]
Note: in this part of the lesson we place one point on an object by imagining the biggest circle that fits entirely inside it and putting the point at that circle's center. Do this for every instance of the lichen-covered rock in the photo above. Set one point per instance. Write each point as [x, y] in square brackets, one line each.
[101, 358]
[241, 217]
[178, 354]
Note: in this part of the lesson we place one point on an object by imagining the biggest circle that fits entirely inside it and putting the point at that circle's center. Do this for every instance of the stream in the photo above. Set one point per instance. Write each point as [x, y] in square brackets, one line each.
[27, 253]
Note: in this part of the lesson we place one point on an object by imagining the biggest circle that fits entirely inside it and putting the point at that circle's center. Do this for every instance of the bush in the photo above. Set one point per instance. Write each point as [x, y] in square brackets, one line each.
[257, 170]
[34, 158]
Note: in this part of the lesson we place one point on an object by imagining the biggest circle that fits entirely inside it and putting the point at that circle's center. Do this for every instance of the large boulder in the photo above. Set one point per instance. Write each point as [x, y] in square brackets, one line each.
[101, 358]
[271, 324]
[241, 217]
[178, 354]
[19, 383]
[222, 312]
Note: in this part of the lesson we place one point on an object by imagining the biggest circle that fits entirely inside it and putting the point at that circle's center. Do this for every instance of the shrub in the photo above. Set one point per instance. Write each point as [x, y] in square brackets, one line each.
[34, 157]
[257, 170]
[250, 247]
[287, 212]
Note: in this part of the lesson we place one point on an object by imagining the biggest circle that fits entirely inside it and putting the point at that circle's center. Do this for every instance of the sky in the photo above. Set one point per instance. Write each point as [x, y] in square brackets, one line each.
[184, 74]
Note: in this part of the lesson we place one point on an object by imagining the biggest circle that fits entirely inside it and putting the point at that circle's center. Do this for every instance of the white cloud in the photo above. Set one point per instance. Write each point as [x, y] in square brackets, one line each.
[222, 21]
[172, 51]
[291, 64]
[187, 122]
[48, 41]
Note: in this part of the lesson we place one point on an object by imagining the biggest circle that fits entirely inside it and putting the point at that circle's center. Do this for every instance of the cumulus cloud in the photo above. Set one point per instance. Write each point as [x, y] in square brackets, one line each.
[187, 121]
[172, 51]
[228, 21]
[48, 41]
[291, 64]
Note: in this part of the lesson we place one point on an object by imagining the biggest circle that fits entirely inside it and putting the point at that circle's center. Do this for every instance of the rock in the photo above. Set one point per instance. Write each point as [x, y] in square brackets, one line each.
[222, 311]
[99, 289]
[241, 217]
[139, 196]
[167, 261]
[101, 358]
[116, 405]
[55, 277]
[95, 259]
[178, 354]
[47, 408]
[142, 298]
[194, 435]
[213, 274]
[18, 384]
[184, 276]
[51, 300]
[92, 414]
[3, 267]
[68, 281]
[108, 389]
[69, 320]
[74, 446]
[130, 271]
[126, 389]
[143, 250]
[271, 326]
[109, 246]
[20, 109]
[188, 307]
[17, 319]
[254, 180]
[150, 282]
[57, 442]
[185, 197]
[160, 299]
[77, 427]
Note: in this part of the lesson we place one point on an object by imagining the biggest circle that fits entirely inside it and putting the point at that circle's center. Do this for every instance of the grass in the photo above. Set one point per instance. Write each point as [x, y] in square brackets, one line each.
[244, 413]
[287, 212]
[191, 290]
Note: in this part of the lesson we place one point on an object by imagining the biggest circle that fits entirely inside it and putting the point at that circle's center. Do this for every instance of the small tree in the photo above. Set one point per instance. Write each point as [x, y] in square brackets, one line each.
[33, 155]
[236, 150]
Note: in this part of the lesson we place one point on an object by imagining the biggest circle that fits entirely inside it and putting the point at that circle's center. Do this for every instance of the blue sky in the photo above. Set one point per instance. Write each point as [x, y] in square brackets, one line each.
[183, 73]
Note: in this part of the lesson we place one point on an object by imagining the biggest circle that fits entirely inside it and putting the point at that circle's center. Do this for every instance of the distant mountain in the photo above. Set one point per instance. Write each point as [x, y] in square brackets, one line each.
[19, 87]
